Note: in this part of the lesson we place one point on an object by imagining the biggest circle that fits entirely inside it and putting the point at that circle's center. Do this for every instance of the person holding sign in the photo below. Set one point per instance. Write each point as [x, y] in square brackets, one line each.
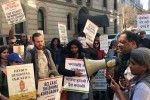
[75, 50]
[13, 59]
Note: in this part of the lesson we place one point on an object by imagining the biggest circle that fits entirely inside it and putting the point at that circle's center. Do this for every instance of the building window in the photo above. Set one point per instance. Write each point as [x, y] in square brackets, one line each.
[105, 30]
[68, 22]
[115, 4]
[115, 26]
[87, 1]
[104, 3]
[40, 20]
[19, 28]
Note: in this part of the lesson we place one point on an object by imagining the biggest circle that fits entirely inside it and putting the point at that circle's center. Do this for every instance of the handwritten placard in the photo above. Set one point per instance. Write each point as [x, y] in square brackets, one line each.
[99, 81]
[143, 21]
[19, 50]
[104, 43]
[62, 32]
[21, 82]
[77, 84]
[13, 12]
[49, 88]
[90, 30]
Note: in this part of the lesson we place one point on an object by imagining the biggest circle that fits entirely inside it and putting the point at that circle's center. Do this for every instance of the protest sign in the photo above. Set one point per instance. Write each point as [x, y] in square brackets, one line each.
[13, 12]
[40, 31]
[83, 42]
[77, 84]
[104, 43]
[143, 22]
[21, 82]
[90, 30]
[99, 81]
[19, 50]
[49, 88]
[62, 32]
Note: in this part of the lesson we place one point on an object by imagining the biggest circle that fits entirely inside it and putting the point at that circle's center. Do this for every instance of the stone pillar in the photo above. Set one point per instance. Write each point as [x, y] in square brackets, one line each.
[83, 3]
[74, 2]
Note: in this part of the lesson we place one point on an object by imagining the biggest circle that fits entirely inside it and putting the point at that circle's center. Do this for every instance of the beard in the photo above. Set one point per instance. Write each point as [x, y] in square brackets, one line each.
[40, 47]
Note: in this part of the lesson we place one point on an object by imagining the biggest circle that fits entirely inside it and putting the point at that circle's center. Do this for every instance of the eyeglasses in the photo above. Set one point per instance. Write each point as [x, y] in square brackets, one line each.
[13, 42]
[23, 36]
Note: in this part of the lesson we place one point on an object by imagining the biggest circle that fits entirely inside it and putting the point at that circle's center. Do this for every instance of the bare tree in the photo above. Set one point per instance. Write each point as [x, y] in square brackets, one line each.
[129, 14]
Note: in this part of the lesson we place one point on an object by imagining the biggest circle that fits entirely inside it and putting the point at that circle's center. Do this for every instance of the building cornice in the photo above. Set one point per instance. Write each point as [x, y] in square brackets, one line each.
[76, 6]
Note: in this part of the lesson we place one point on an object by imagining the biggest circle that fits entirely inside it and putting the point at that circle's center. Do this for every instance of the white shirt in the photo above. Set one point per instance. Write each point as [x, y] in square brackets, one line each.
[141, 92]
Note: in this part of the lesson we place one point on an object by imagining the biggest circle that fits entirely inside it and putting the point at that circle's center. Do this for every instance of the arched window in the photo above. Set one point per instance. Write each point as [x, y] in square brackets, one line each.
[40, 20]
[115, 26]
[68, 22]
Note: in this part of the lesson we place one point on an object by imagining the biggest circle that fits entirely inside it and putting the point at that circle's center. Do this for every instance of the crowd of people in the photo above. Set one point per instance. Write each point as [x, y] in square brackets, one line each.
[130, 79]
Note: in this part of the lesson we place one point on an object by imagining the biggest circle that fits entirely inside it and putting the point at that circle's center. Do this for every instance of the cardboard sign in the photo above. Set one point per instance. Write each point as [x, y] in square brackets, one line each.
[62, 32]
[49, 88]
[77, 84]
[90, 30]
[143, 22]
[19, 50]
[99, 81]
[104, 43]
[21, 82]
[13, 12]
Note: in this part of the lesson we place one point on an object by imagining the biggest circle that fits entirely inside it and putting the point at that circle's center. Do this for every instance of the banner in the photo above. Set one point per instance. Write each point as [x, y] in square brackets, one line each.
[77, 84]
[13, 12]
[90, 30]
[49, 88]
[19, 50]
[143, 22]
[99, 81]
[62, 32]
[104, 43]
[21, 82]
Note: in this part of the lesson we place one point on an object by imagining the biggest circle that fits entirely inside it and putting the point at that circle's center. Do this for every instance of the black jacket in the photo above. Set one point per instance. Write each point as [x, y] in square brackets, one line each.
[145, 43]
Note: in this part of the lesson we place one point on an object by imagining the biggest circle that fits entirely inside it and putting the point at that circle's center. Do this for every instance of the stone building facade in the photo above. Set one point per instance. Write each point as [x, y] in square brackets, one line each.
[45, 15]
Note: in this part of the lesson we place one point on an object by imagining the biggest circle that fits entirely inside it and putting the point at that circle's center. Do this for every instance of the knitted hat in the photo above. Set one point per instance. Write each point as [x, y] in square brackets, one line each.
[141, 56]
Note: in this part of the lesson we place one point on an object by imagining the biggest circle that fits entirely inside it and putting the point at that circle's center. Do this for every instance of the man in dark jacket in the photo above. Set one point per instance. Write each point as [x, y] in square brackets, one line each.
[75, 50]
[144, 42]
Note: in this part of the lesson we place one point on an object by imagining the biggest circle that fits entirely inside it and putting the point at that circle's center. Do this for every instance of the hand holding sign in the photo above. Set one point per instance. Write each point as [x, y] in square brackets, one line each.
[78, 73]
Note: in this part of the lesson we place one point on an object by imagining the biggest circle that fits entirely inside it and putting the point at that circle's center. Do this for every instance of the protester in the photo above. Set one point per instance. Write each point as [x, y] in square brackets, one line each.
[144, 42]
[40, 57]
[75, 50]
[127, 42]
[140, 67]
[11, 42]
[11, 59]
[56, 47]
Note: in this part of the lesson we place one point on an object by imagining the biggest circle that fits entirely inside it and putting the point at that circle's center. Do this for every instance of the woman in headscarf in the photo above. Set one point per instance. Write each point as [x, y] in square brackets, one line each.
[140, 67]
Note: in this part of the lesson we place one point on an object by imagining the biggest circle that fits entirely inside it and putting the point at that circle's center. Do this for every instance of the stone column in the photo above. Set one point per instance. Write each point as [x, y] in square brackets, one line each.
[74, 2]
[83, 3]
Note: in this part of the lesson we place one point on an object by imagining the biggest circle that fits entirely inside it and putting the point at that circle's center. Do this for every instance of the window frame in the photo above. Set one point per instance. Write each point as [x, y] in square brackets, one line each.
[41, 21]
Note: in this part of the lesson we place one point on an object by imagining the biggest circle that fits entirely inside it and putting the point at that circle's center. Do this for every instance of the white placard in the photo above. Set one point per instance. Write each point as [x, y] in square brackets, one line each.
[76, 84]
[21, 82]
[62, 32]
[99, 81]
[19, 50]
[104, 43]
[90, 30]
[49, 88]
[143, 22]
[13, 12]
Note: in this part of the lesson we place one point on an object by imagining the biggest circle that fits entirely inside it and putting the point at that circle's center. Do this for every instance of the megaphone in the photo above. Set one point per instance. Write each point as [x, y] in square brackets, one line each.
[52, 73]
[93, 66]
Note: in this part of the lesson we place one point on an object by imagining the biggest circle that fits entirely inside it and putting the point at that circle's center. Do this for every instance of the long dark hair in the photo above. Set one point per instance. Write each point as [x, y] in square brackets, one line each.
[98, 43]
[78, 44]
[3, 48]
[52, 43]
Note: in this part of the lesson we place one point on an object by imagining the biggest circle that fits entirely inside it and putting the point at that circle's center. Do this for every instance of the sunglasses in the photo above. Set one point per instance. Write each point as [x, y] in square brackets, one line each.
[13, 42]
[23, 36]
